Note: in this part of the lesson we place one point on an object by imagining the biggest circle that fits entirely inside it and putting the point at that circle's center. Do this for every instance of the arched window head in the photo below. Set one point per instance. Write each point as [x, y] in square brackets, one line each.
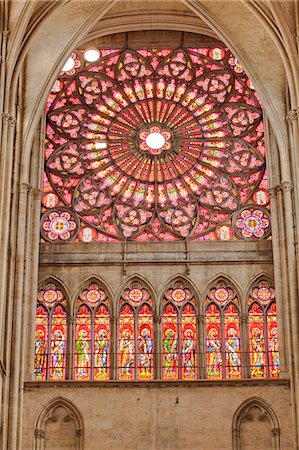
[179, 334]
[263, 332]
[222, 333]
[50, 334]
[154, 145]
[136, 334]
[92, 335]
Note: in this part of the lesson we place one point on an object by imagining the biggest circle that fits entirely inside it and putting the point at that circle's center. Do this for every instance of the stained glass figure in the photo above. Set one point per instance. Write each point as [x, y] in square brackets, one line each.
[222, 331]
[92, 335]
[154, 144]
[263, 334]
[50, 334]
[136, 334]
[179, 334]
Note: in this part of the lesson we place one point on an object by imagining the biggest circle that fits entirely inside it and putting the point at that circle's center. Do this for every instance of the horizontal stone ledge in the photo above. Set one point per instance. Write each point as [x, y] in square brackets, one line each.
[72, 384]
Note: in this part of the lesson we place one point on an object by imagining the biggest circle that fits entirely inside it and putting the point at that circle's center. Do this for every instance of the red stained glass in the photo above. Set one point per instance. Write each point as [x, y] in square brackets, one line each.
[83, 344]
[263, 332]
[213, 343]
[92, 335]
[136, 334]
[170, 366]
[189, 343]
[104, 181]
[58, 344]
[258, 364]
[41, 343]
[232, 342]
[126, 333]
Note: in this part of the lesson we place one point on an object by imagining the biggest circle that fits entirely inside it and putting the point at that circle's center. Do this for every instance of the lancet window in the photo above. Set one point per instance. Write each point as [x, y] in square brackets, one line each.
[179, 334]
[263, 333]
[50, 334]
[92, 335]
[136, 334]
[222, 333]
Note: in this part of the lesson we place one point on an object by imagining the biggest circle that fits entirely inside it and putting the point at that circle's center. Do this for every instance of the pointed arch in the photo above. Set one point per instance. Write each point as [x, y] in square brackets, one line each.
[48, 414]
[102, 283]
[138, 278]
[92, 331]
[135, 330]
[229, 281]
[170, 283]
[263, 329]
[51, 331]
[179, 334]
[222, 330]
[256, 410]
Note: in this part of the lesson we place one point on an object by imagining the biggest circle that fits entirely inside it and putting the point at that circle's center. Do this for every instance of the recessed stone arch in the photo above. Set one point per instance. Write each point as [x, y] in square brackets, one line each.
[256, 424]
[61, 418]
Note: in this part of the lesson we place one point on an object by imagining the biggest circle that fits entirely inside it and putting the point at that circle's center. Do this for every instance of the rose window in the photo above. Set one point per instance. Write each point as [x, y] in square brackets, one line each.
[154, 145]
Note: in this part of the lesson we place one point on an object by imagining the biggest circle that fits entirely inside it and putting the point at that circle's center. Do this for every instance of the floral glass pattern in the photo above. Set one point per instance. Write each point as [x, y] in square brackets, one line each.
[179, 334]
[206, 180]
[50, 334]
[92, 335]
[222, 333]
[136, 334]
[263, 333]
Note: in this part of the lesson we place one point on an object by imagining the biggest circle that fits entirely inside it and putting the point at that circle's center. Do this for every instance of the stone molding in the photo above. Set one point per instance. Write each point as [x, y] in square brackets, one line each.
[293, 114]
[39, 434]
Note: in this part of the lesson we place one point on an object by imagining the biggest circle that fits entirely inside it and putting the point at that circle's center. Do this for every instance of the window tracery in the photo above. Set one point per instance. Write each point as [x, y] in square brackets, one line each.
[263, 332]
[207, 181]
[50, 334]
[92, 335]
[222, 331]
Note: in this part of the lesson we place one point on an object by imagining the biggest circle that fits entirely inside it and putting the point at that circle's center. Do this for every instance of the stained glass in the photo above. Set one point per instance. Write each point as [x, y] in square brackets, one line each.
[263, 332]
[136, 334]
[222, 330]
[179, 334]
[105, 177]
[92, 335]
[58, 344]
[50, 334]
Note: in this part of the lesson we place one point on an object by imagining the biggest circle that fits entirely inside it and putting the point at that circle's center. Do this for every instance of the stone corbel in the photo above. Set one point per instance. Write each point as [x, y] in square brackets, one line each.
[286, 186]
[293, 114]
[39, 434]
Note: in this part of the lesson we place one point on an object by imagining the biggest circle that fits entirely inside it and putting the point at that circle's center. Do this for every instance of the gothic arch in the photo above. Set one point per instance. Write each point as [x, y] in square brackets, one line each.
[230, 282]
[47, 414]
[254, 282]
[176, 279]
[59, 284]
[139, 279]
[265, 411]
[101, 283]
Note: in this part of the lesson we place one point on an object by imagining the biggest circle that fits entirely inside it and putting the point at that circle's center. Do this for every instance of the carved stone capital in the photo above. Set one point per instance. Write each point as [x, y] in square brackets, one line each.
[273, 192]
[293, 114]
[79, 433]
[244, 318]
[157, 318]
[4, 32]
[201, 318]
[39, 434]
[9, 119]
[275, 432]
[24, 188]
[286, 186]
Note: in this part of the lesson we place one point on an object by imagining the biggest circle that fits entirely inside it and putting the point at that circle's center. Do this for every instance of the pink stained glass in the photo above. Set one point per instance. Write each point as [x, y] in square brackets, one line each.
[41, 343]
[273, 347]
[189, 343]
[126, 344]
[102, 344]
[83, 344]
[213, 342]
[145, 344]
[170, 363]
[256, 327]
[58, 350]
[209, 171]
[232, 342]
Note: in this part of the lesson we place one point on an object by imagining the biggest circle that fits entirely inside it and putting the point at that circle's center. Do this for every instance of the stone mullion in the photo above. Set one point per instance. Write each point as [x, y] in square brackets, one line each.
[70, 346]
[157, 347]
[114, 348]
[245, 345]
[201, 346]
